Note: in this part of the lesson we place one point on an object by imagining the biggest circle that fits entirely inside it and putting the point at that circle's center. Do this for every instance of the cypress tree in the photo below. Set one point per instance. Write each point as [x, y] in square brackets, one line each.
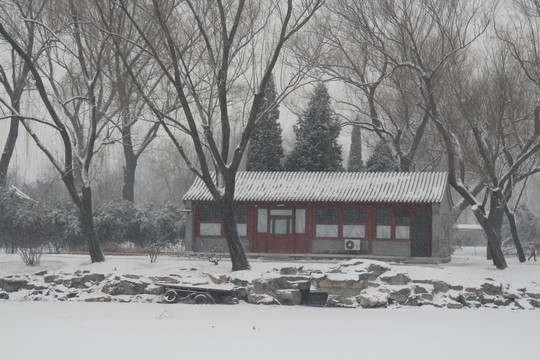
[265, 148]
[382, 160]
[355, 163]
[316, 133]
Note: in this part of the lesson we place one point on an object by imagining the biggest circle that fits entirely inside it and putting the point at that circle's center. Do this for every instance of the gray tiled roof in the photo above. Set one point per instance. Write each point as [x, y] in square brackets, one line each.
[415, 187]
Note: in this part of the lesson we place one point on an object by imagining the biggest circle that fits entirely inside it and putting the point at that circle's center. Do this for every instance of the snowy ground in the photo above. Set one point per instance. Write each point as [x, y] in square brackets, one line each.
[78, 330]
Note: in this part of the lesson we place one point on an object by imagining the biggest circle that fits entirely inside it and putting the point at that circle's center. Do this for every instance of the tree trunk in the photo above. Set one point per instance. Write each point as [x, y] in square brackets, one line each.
[9, 147]
[238, 256]
[515, 236]
[495, 218]
[128, 189]
[462, 204]
[494, 244]
[404, 164]
[86, 220]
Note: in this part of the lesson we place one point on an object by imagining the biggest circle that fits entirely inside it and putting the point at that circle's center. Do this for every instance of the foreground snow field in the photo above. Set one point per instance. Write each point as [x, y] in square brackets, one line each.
[79, 330]
[144, 331]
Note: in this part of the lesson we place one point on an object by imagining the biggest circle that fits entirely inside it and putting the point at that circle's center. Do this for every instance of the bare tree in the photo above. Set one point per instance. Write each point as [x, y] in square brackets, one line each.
[216, 57]
[136, 131]
[431, 38]
[14, 72]
[71, 85]
[361, 50]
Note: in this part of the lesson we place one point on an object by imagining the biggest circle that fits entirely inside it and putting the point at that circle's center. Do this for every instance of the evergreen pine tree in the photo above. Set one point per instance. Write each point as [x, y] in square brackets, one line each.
[381, 160]
[316, 133]
[355, 163]
[266, 146]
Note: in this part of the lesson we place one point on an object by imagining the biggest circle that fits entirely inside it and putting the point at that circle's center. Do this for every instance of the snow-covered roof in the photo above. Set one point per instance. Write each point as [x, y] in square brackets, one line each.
[414, 187]
[19, 194]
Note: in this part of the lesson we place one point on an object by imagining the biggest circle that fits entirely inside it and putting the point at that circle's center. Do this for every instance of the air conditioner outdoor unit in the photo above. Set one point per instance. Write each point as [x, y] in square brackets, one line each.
[352, 245]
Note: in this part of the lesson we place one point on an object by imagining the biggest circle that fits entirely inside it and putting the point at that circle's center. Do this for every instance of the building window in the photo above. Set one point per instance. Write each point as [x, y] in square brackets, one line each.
[210, 219]
[329, 219]
[403, 217]
[327, 215]
[356, 219]
[354, 215]
[210, 229]
[354, 231]
[326, 230]
[240, 214]
[403, 232]
[210, 214]
[384, 224]
[300, 221]
[281, 212]
[262, 221]
[281, 226]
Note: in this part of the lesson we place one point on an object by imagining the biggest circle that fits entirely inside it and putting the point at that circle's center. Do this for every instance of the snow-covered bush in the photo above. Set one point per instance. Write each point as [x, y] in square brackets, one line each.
[68, 230]
[25, 226]
[152, 228]
[118, 222]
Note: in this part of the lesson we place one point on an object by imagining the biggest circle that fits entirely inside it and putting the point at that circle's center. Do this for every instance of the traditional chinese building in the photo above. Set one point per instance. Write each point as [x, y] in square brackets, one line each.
[377, 214]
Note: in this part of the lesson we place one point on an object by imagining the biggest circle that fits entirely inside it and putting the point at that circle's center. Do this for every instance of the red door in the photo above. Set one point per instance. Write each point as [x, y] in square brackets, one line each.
[281, 237]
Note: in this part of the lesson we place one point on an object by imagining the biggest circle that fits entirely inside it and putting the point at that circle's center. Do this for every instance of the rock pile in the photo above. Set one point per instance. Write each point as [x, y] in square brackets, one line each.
[355, 283]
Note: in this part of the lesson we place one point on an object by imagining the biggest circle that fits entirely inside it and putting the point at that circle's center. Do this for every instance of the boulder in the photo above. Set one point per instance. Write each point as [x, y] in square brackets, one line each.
[132, 276]
[511, 296]
[154, 289]
[438, 286]
[124, 287]
[470, 296]
[487, 299]
[271, 285]
[535, 303]
[163, 279]
[335, 286]
[454, 305]
[98, 298]
[397, 279]
[50, 278]
[492, 289]
[239, 282]
[95, 278]
[523, 304]
[419, 300]
[420, 290]
[290, 271]
[341, 301]
[218, 280]
[289, 297]
[15, 284]
[239, 293]
[376, 270]
[371, 298]
[533, 295]
[262, 299]
[502, 301]
[399, 296]
[4, 296]
[76, 282]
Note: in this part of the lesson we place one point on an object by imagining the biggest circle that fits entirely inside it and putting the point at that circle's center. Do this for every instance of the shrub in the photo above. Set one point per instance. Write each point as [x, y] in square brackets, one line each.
[25, 226]
[152, 228]
[68, 234]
